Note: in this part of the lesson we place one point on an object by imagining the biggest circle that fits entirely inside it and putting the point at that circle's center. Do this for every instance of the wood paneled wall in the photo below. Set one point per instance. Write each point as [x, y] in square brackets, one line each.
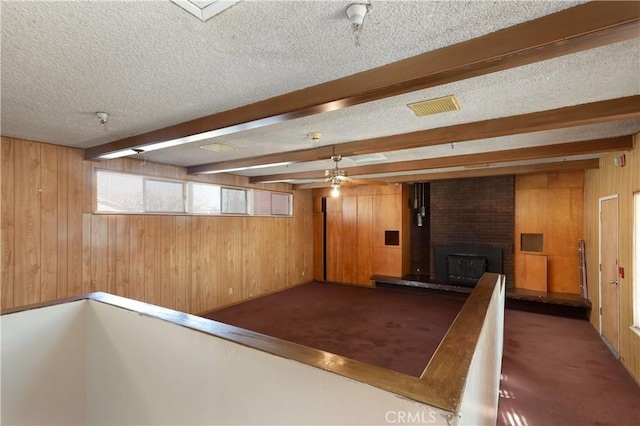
[53, 246]
[355, 237]
[550, 204]
[623, 182]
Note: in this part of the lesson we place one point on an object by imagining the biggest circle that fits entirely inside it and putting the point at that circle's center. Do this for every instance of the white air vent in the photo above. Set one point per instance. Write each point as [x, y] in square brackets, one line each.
[367, 158]
[218, 147]
[205, 9]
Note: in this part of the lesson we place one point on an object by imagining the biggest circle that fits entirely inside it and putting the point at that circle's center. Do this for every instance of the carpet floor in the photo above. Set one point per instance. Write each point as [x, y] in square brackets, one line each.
[390, 329]
[556, 371]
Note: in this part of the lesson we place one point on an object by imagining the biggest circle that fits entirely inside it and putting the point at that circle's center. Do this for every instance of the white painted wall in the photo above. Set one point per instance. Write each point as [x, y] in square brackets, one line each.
[479, 405]
[143, 370]
[92, 363]
[44, 366]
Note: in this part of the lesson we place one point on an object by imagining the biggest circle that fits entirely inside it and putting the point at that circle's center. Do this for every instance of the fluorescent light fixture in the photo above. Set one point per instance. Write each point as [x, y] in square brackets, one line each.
[278, 181]
[257, 166]
[117, 154]
[140, 149]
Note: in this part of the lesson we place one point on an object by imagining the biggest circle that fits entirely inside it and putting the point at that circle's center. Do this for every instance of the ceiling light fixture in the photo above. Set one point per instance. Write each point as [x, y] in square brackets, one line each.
[314, 136]
[102, 118]
[258, 166]
[356, 13]
[335, 192]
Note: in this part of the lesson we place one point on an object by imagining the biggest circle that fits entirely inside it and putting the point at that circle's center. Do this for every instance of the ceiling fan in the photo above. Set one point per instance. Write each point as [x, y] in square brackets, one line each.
[338, 177]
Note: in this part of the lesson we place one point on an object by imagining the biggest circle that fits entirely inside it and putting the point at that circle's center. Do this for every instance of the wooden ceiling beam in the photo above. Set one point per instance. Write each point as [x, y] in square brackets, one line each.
[566, 149]
[572, 30]
[593, 163]
[579, 115]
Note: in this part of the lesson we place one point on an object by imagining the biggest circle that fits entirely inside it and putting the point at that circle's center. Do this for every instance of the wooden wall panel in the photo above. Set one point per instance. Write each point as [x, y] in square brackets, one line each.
[350, 239]
[63, 223]
[74, 198]
[318, 258]
[551, 204]
[53, 246]
[27, 261]
[364, 240]
[534, 272]
[356, 222]
[621, 181]
[334, 245]
[7, 221]
[387, 261]
[49, 222]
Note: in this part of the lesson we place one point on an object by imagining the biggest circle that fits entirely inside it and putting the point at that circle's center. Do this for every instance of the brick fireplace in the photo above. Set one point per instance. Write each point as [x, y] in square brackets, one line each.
[472, 217]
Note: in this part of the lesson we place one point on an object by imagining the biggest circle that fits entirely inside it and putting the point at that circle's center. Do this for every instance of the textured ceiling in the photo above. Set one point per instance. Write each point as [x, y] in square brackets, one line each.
[150, 65]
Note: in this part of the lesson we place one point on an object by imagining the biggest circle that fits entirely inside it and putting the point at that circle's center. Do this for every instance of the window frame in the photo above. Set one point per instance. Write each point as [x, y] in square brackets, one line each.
[188, 197]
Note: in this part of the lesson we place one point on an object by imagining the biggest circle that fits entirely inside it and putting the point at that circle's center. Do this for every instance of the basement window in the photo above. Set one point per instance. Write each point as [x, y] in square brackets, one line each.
[268, 203]
[128, 193]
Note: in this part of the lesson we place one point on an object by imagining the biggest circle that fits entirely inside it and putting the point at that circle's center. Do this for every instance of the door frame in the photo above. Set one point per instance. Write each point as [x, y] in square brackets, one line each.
[600, 200]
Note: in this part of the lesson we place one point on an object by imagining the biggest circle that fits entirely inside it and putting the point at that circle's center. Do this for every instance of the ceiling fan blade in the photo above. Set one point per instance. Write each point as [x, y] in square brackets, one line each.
[368, 182]
[348, 184]
[319, 184]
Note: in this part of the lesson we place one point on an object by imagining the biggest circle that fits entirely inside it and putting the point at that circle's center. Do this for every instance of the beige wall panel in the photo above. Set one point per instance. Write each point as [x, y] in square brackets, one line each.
[622, 181]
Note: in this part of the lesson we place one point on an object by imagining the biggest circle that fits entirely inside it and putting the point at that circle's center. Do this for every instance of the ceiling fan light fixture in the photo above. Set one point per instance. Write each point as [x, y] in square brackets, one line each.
[335, 192]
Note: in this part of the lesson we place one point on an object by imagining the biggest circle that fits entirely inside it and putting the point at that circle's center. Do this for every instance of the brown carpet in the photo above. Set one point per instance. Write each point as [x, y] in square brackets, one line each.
[391, 329]
[556, 371]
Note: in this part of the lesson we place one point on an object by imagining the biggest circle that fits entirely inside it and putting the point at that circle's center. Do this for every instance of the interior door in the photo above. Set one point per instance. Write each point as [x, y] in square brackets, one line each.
[609, 289]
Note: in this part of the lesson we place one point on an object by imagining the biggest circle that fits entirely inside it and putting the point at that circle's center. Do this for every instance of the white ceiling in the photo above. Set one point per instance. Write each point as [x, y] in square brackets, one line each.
[151, 64]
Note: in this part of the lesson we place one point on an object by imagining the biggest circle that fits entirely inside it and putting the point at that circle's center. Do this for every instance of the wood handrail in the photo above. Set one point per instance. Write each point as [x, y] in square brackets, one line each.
[440, 385]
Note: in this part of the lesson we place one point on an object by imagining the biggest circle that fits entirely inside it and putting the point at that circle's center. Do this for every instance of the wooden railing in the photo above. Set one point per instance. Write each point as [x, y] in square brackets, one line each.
[441, 385]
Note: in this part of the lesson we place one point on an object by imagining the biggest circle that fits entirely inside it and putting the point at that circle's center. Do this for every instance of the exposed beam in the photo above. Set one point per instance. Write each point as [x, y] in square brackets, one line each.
[579, 28]
[593, 163]
[518, 154]
[579, 115]
[490, 171]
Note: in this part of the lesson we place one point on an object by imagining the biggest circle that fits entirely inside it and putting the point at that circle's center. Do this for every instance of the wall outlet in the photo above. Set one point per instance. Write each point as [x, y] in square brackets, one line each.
[230, 291]
[303, 273]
